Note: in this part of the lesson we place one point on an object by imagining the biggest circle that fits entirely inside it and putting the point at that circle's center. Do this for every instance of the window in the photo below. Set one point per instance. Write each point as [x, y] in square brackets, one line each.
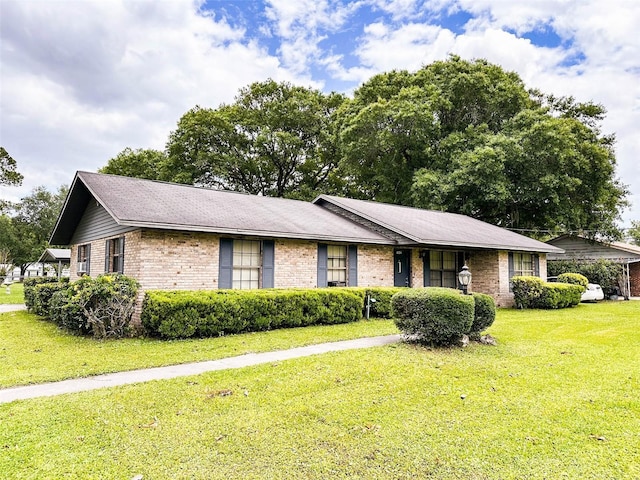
[246, 264]
[443, 269]
[523, 264]
[84, 256]
[114, 255]
[336, 264]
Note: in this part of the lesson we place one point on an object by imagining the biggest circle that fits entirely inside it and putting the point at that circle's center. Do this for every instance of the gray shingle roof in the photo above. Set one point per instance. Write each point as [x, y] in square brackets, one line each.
[135, 202]
[145, 203]
[429, 227]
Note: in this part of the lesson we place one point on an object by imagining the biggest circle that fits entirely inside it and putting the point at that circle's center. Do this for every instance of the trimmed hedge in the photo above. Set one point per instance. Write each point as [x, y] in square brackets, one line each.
[102, 306]
[184, 314]
[41, 295]
[30, 284]
[533, 292]
[484, 313]
[574, 279]
[434, 315]
[381, 308]
[606, 273]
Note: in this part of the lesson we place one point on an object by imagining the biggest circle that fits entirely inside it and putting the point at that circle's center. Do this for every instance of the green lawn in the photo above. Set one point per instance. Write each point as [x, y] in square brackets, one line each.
[15, 295]
[557, 398]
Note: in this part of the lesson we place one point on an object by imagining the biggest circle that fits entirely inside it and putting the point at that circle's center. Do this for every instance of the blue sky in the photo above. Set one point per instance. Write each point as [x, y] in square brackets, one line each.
[80, 80]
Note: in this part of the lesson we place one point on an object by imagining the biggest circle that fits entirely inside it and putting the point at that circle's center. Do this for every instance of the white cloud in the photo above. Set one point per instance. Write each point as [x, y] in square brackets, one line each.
[81, 80]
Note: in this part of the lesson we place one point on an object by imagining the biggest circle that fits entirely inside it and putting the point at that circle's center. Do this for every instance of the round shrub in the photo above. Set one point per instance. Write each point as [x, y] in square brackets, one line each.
[433, 315]
[526, 291]
[574, 279]
[484, 312]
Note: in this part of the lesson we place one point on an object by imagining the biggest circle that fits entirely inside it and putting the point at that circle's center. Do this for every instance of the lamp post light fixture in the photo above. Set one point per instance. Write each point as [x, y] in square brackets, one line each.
[464, 277]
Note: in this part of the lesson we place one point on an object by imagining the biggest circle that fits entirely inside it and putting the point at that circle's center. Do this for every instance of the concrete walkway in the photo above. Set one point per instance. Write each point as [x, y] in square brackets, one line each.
[162, 373]
[11, 307]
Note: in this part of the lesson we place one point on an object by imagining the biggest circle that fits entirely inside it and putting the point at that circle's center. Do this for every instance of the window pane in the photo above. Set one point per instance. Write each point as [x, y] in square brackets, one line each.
[337, 263]
[450, 280]
[435, 260]
[435, 278]
[448, 261]
[247, 260]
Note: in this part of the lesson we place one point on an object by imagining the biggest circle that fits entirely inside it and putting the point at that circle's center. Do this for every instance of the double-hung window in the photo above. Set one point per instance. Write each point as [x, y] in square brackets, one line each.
[443, 269]
[114, 255]
[523, 265]
[336, 264]
[246, 264]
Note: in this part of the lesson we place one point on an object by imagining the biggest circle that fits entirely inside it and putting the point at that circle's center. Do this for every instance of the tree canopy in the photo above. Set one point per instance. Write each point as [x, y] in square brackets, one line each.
[8, 169]
[456, 135]
[25, 234]
[467, 137]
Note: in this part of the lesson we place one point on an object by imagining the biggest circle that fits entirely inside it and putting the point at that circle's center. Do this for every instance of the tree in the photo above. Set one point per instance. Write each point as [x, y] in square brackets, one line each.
[275, 139]
[139, 163]
[633, 233]
[467, 137]
[32, 224]
[8, 173]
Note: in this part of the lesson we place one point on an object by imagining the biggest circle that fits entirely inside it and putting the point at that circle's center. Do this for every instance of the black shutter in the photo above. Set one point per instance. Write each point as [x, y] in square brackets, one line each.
[536, 265]
[88, 254]
[107, 256]
[121, 255]
[352, 262]
[268, 261]
[426, 269]
[225, 274]
[322, 264]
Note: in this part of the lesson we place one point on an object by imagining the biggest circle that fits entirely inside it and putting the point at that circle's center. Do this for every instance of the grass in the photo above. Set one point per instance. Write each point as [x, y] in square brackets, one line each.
[557, 398]
[15, 296]
[34, 351]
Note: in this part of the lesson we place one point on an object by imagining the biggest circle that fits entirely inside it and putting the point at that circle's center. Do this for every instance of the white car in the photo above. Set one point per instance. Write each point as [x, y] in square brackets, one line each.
[593, 293]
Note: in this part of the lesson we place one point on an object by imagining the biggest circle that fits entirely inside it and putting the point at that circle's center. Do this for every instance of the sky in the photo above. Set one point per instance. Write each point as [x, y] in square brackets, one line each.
[81, 80]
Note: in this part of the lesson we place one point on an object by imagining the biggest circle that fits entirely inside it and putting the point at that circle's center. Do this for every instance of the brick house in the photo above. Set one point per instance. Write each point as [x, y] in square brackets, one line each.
[171, 236]
[586, 250]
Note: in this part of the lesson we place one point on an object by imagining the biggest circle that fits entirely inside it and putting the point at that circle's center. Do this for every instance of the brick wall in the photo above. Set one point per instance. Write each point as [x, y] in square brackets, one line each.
[490, 272]
[375, 266]
[634, 276]
[296, 264]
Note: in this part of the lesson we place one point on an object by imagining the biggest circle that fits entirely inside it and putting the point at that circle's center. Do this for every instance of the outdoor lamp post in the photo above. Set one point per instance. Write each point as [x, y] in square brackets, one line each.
[464, 277]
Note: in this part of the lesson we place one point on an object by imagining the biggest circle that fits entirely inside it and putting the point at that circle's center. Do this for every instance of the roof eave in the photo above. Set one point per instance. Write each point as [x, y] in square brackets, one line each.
[255, 233]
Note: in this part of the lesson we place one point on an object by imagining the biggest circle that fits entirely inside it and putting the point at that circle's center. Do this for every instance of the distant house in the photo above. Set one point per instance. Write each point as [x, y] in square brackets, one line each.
[585, 250]
[171, 236]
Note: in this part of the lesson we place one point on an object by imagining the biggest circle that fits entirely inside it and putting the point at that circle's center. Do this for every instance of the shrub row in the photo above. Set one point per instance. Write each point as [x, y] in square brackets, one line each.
[533, 292]
[30, 284]
[606, 273]
[441, 316]
[183, 314]
[102, 306]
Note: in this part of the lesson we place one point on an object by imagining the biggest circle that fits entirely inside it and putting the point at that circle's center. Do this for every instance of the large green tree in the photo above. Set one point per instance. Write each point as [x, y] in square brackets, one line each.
[468, 137]
[275, 139]
[30, 226]
[138, 163]
[633, 233]
[8, 172]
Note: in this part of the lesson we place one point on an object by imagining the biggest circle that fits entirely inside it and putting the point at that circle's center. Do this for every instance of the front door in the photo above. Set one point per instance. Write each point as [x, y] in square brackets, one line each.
[402, 268]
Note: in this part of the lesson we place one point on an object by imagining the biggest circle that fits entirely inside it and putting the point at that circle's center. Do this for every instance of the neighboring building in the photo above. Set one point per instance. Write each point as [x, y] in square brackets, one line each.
[171, 236]
[585, 250]
[56, 261]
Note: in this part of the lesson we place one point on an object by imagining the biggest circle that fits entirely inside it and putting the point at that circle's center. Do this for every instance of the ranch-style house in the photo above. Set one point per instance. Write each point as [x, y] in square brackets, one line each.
[170, 236]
